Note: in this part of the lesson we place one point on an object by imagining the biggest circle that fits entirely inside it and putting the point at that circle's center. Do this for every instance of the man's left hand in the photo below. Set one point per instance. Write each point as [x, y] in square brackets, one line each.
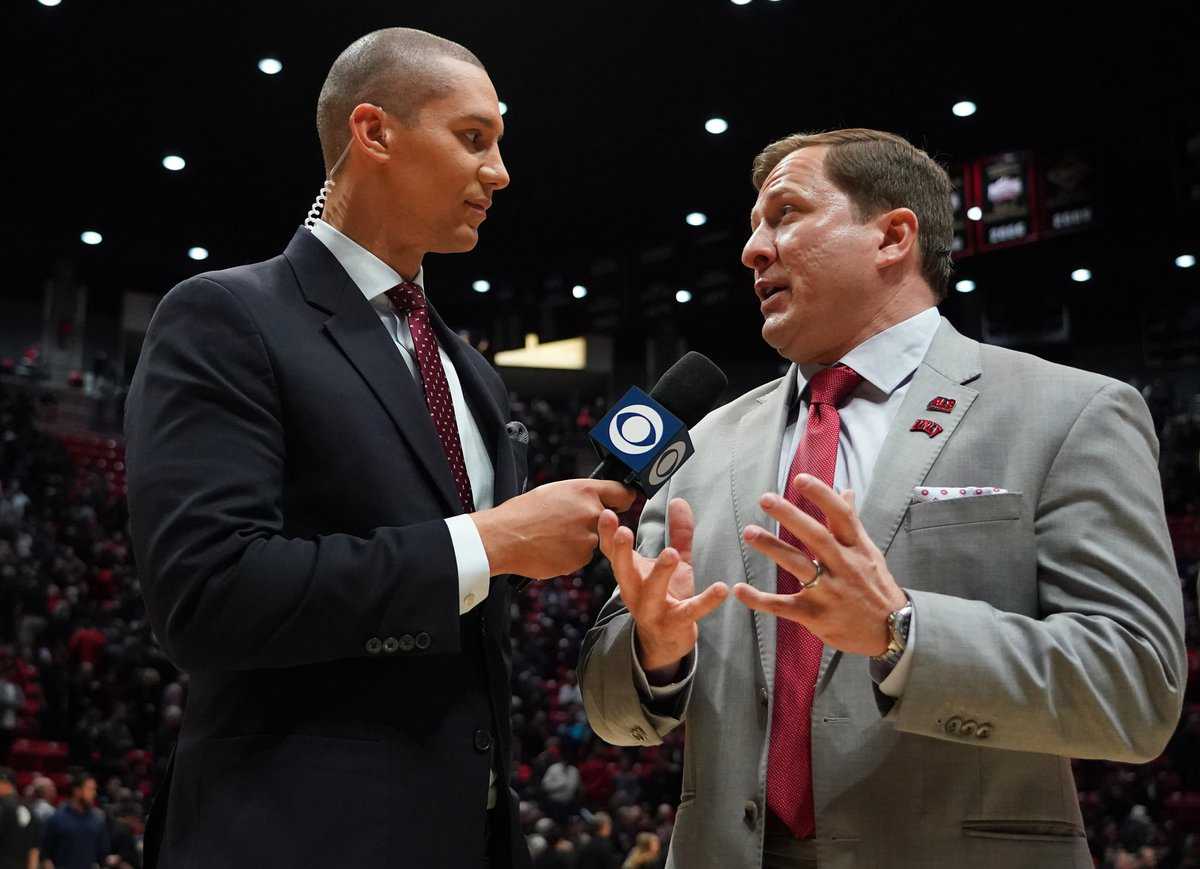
[848, 608]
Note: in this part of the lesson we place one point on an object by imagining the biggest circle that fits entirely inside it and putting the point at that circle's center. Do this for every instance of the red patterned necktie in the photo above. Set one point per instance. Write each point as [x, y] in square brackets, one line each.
[408, 298]
[798, 651]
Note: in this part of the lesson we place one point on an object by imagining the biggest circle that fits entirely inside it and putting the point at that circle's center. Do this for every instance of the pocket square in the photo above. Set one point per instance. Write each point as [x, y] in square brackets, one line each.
[921, 494]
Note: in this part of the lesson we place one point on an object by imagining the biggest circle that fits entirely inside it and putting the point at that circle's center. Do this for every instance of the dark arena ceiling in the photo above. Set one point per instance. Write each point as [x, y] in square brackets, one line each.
[606, 144]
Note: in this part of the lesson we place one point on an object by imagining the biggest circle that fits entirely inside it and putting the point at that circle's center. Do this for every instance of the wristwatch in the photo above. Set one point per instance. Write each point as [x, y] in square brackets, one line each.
[897, 623]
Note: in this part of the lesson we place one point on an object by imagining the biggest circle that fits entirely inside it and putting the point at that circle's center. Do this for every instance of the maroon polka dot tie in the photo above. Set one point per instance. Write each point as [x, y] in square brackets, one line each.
[798, 651]
[408, 298]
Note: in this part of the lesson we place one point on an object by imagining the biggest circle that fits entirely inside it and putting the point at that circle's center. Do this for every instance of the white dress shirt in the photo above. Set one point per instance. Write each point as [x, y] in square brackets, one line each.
[886, 361]
[374, 278]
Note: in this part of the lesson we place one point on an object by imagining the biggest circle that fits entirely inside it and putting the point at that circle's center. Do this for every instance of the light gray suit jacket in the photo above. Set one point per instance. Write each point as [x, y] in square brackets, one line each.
[1049, 625]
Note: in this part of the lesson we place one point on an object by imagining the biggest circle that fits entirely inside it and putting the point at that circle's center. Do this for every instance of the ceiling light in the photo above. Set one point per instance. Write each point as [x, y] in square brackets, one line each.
[270, 66]
[91, 237]
[683, 296]
[481, 286]
[716, 126]
[173, 162]
[964, 109]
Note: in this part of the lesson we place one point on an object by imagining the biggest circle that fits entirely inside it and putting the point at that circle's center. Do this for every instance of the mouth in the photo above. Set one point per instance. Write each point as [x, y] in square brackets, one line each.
[479, 206]
[767, 289]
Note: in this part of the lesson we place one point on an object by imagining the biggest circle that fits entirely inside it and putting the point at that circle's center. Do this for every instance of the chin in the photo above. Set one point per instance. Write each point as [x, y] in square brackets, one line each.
[463, 240]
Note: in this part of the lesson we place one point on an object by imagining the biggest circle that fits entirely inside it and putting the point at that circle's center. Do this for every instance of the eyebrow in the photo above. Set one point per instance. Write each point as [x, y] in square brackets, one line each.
[483, 120]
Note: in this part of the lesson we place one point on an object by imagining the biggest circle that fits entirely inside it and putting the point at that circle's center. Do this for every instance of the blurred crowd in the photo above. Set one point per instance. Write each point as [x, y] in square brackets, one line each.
[89, 705]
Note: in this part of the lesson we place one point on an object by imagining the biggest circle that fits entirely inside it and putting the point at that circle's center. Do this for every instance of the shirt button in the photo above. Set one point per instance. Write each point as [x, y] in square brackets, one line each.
[483, 741]
[469, 601]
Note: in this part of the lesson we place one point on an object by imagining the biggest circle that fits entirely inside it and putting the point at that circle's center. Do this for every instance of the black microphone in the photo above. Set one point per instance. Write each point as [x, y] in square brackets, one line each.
[642, 446]
[689, 389]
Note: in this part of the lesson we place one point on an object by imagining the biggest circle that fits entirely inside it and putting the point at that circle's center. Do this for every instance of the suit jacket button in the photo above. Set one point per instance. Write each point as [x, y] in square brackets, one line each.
[483, 741]
[750, 814]
[390, 645]
[983, 731]
[407, 643]
[374, 645]
[967, 729]
[953, 726]
[423, 641]
[763, 699]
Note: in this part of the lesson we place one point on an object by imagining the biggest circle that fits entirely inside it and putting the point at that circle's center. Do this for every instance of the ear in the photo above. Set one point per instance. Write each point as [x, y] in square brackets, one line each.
[897, 236]
[368, 133]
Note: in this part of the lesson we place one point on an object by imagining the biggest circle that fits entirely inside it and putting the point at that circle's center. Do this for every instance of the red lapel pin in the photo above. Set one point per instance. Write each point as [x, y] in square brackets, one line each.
[942, 404]
[928, 426]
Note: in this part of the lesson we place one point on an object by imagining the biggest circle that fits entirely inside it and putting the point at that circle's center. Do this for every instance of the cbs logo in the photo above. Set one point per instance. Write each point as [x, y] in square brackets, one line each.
[636, 429]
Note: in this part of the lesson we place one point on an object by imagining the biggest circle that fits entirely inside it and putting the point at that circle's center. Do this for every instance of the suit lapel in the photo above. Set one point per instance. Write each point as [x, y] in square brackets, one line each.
[354, 326]
[754, 470]
[906, 456]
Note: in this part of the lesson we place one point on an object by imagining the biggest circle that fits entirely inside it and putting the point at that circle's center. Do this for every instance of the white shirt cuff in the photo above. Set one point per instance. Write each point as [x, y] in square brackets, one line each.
[893, 685]
[661, 692]
[474, 572]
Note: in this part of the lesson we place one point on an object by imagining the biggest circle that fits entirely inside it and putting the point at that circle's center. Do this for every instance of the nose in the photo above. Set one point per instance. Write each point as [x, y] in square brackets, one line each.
[759, 252]
[494, 174]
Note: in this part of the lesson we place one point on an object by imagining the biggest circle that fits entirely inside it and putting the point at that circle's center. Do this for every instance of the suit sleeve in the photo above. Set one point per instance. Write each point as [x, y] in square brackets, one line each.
[225, 587]
[1101, 673]
[616, 710]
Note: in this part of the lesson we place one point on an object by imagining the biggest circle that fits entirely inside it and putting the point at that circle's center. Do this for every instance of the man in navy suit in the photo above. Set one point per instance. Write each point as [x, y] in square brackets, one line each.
[324, 502]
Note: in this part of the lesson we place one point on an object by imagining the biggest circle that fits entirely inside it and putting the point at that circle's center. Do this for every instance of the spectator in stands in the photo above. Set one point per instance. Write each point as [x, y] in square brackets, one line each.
[76, 837]
[44, 796]
[599, 852]
[646, 854]
[20, 828]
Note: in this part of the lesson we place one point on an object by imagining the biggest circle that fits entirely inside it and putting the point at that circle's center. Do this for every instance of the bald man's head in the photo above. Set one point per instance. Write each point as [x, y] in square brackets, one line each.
[398, 68]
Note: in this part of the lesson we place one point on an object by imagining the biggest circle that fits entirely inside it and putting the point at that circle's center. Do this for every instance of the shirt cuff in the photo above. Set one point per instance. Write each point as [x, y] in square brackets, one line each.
[474, 572]
[653, 693]
[894, 682]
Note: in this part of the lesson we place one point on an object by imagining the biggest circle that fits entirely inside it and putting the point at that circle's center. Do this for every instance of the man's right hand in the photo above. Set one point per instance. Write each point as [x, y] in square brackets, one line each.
[550, 530]
[660, 593]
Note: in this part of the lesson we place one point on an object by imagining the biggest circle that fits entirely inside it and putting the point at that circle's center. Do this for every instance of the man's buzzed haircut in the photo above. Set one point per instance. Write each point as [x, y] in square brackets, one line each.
[398, 69]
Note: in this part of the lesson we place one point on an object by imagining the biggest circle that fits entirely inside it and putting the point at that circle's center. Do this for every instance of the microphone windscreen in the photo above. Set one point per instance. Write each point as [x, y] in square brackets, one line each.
[690, 387]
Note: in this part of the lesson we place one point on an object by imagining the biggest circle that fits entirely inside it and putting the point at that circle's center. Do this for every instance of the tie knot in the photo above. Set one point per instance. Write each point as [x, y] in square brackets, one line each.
[833, 385]
[406, 296]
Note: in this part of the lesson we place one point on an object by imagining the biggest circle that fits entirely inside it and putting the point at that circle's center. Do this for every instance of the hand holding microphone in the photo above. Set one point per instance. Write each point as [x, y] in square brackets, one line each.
[549, 531]
[553, 529]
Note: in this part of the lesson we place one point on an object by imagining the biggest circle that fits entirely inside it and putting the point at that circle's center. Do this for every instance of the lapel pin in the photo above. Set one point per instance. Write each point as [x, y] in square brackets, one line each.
[928, 426]
[942, 404]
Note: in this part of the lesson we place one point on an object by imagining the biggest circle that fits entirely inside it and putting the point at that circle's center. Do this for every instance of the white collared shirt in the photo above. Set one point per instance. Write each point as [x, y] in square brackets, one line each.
[374, 278]
[886, 361]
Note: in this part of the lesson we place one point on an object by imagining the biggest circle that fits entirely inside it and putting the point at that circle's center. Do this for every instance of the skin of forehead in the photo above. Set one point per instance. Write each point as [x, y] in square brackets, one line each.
[779, 178]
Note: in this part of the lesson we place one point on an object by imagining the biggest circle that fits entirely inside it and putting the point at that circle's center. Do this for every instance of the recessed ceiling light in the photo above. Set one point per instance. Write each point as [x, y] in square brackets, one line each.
[974, 213]
[1081, 275]
[697, 218]
[503, 107]
[198, 253]
[270, 66]
[49, 2]
[964, 109]
[965, 286]
[173, 162]
[579, 291]
[716, 126]
[481, 286]
[683, 296]
[1185, 261]
[90, 236]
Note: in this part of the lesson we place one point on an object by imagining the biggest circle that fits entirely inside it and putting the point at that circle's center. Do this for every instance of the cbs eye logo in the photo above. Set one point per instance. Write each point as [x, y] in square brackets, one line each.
[636, 429]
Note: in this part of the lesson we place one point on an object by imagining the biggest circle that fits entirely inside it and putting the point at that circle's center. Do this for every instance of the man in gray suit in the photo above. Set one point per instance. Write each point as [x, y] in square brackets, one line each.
[913, 667]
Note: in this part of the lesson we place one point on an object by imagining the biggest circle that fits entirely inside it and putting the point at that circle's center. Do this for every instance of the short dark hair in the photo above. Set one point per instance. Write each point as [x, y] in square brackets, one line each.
[879, 171]
[396, 68]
